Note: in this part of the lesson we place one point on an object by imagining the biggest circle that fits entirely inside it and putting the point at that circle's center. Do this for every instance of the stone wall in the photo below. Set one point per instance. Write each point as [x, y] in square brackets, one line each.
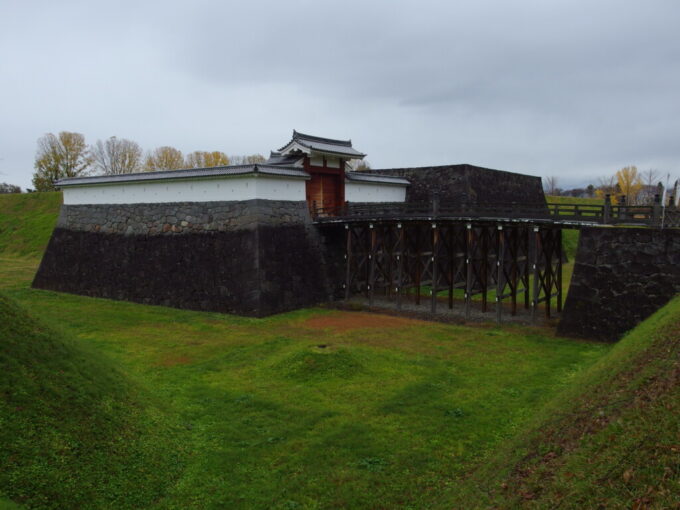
[469, 183]
[181, 217]
[621, 276]
[251, 258]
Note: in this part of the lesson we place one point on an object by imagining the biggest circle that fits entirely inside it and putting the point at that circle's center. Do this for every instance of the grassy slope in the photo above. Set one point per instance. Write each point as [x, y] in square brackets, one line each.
[610, 440]
[382, 417]
[388, 417]
[553, 199]
[26, 222]
[73, 432]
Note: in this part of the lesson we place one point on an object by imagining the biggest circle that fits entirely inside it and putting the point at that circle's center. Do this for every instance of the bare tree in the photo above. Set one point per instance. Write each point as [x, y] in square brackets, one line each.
[650, 178]
[164, 158]
[607, 186]
[550, 185]
[9, 188]
[117, 156]
[57, 157]
[252, 159]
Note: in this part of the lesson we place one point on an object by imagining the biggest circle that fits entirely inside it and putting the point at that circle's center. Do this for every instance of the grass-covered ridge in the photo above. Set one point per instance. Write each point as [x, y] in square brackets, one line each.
[27, 221]
[74, 433]
[319, 408]
[554, 199]
[609, 440]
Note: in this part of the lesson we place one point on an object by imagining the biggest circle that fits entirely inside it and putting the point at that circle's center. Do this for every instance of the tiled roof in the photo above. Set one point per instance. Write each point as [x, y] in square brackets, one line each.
[186, 174]
[327, 145]
[383, 179]
[278, 159]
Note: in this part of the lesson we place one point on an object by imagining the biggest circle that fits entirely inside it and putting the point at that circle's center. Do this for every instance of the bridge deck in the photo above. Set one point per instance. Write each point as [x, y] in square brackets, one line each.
[563, 215]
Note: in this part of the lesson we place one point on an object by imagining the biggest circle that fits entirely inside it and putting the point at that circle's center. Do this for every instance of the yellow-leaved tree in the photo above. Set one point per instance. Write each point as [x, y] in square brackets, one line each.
[164, 158]
[60, 156]
[630, 183]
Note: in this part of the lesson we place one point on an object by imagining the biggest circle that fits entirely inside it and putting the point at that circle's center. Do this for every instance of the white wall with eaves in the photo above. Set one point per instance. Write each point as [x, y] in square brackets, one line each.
[246, 187]
[374, 192]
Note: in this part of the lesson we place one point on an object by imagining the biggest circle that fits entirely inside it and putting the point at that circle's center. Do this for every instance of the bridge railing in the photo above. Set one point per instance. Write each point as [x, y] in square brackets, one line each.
[649, 215]
[587, 212]
[424, 209]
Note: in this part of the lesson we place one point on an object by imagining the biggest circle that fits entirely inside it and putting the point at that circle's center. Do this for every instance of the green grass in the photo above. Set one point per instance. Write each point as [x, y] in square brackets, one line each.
[553, 199]
[609, 440]
[382, 417]
[27, 221]
[73, 431]
[115, 405]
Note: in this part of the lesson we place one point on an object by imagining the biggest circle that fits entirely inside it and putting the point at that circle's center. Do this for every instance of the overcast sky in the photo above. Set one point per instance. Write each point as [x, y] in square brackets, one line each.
[570, 88]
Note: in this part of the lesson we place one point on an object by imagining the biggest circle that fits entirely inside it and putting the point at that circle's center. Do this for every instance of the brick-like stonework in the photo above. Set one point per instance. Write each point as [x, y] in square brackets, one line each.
[469, 184]
[181, 217]
[251, 258]
[621, 276]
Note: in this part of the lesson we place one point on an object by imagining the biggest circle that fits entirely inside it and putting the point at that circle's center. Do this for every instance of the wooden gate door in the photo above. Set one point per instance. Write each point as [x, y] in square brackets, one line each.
[323, 191]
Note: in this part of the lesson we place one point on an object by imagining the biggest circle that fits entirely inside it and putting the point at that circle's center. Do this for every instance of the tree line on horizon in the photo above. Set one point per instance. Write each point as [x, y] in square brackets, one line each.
[627, 186]
[68, 155]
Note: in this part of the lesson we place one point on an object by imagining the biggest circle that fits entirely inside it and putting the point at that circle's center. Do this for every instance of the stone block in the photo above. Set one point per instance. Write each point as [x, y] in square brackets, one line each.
[612, 290]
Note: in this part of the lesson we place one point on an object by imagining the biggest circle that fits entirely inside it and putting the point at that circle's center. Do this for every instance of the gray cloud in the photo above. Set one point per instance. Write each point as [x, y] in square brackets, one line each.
[569, 88]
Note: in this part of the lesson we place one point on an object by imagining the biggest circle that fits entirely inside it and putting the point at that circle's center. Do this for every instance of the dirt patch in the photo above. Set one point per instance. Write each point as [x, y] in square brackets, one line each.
[175, 360]
[345, 321]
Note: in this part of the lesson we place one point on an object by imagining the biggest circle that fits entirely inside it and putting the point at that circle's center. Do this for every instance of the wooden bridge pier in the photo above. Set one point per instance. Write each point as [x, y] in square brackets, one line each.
[399, 260]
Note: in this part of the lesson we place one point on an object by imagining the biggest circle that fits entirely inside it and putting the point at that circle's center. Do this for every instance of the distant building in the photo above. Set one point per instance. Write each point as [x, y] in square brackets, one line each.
[308, 168]
[240, 238]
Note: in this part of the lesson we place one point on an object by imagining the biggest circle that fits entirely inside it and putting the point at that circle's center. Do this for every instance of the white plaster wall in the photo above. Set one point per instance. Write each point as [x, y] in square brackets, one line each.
[373, 192]
[189, 190]
[333, 162]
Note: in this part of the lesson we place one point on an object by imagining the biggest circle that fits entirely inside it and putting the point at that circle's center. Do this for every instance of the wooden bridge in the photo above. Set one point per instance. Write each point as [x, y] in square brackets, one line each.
[506, 256]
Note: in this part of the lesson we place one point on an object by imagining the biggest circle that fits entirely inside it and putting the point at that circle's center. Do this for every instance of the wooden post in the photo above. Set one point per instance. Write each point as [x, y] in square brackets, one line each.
[371, 263]
[536, 292]
[526, 239]
[607, 211]
[484, 271]
[548, 249]
[656, 210]
[400, 262]
[348, 262]
[452, 230]
[469, 240]
[434, 262]
[623, 211]
[418, 264]
[499, 274]
[559, 271]
[514, 238]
